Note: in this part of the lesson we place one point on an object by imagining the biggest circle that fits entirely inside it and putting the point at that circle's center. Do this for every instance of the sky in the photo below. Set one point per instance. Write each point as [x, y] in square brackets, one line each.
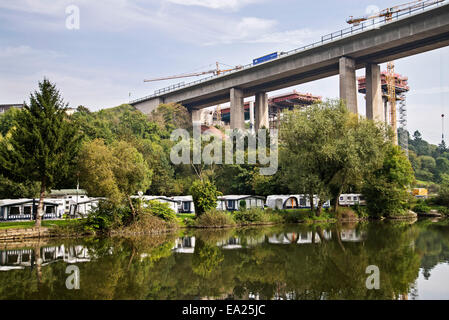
[119, 43]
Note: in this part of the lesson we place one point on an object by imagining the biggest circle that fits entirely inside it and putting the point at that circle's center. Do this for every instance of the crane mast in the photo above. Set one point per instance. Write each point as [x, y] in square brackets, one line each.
[391, 85]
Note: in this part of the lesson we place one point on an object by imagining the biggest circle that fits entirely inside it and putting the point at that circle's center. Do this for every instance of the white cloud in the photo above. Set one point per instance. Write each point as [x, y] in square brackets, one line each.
[90, 86]
[215, 4]
[155, 16]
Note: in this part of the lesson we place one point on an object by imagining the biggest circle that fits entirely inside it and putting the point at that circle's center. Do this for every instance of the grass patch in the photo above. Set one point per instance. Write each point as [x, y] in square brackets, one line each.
[17, 225]
[30, 224]
[185, 219]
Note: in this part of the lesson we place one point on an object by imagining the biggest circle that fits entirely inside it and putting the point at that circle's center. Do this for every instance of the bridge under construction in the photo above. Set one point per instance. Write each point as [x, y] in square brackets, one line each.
[398, 34]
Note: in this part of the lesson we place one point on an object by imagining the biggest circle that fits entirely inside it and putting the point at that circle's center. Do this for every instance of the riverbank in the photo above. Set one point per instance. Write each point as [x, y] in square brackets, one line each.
[210, 220]
[18, 234]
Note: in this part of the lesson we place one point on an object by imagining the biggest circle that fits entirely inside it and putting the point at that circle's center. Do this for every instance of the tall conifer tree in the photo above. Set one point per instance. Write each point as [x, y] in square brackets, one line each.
[43, 143]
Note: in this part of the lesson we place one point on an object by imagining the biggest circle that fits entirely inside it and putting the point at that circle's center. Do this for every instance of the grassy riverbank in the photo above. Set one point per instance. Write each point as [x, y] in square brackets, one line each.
[146, 224]
[30, 224]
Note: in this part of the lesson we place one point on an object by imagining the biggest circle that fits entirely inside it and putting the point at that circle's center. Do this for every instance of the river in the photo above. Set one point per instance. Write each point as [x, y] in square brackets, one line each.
[280, 262]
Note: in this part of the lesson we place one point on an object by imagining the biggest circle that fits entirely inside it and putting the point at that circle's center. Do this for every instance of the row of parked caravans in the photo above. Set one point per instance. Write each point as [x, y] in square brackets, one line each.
[26, 209]
[184, 204]
[81, 205]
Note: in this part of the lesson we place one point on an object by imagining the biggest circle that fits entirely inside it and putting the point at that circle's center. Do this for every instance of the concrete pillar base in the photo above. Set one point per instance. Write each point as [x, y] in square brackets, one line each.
[374, 103]
[251, 116]
[261, 111]
[348, 84]
[237, 109]
[196, 117]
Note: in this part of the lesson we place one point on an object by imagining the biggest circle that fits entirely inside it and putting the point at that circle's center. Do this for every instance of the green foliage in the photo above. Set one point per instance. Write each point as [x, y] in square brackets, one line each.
[16, 190]
[204, 195]
[8, 121]
[386, 189]
[215, 218]
[294, 215]
[443, 195]
[161, 210]
[251, 215]
[325, 149]
[43, 143]
[107, 215]
[113, 171]
[429, 162]
[421, 207]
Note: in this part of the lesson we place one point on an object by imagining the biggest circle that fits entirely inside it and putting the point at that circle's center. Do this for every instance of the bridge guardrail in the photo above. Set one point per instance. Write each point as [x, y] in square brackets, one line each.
[331, 37]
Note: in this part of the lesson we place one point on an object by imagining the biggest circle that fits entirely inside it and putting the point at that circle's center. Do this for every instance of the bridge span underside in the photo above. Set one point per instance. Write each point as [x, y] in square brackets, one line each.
[408, 36]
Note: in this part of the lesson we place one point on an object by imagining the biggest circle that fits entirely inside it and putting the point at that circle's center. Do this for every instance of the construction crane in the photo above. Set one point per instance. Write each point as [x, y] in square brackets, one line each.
[390, 76]
[216, 72]
[391, 86]
[388, 13]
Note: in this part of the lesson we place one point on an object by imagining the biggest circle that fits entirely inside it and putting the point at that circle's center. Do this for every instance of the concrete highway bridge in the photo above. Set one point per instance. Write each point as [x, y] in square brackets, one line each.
[340, 53]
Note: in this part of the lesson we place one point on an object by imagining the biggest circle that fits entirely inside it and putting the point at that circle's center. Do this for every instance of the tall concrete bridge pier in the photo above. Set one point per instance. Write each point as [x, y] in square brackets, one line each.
[340, 53]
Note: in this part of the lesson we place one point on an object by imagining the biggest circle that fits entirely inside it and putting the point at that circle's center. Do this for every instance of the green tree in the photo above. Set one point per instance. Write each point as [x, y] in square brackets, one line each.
[325, 149]
[443, 194]
[205, 195]
[442, 166]
[427, 163]
[43, 144]
[7, 120]
[15, 190]
[386, 189]
[116, 171]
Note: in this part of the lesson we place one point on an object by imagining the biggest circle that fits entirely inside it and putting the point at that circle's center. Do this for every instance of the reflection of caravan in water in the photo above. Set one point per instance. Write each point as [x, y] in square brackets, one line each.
[299, 201]
[238, 243]
[351, 235]
[19, 259]
[231, 243]
[184, 245]
[298, 237]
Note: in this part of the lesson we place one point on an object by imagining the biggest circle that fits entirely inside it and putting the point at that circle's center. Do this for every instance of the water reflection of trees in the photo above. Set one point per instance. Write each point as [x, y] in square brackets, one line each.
[433, 245]
[317, 263]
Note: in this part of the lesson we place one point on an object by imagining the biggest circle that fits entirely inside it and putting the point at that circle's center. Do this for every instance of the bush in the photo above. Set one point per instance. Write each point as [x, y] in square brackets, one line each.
[215, 218]
[251, 215]
[443, 210]
[160, 210]
[294, 216]
[421, 207]
[147, 223]
[361, 211]
[108, 215]
[347, 213]
[385, 189]
[204, 195]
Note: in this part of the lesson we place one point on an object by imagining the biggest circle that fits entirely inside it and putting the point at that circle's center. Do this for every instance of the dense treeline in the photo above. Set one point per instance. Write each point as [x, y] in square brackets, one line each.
[430, 162]
[323, 150]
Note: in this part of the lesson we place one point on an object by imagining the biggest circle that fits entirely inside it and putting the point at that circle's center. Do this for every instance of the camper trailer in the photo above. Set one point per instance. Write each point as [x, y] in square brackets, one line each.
[351, 199]
[299, 201]
[234, 202]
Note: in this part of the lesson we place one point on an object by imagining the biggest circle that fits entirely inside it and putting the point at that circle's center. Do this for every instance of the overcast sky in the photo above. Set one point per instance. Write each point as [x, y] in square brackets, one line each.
[121, 42]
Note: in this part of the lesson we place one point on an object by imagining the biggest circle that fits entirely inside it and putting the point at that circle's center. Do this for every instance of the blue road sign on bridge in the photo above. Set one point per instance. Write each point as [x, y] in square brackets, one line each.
[268, 57]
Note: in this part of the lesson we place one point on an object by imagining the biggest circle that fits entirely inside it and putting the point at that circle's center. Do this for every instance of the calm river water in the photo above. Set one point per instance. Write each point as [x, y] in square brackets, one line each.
[281, 262]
